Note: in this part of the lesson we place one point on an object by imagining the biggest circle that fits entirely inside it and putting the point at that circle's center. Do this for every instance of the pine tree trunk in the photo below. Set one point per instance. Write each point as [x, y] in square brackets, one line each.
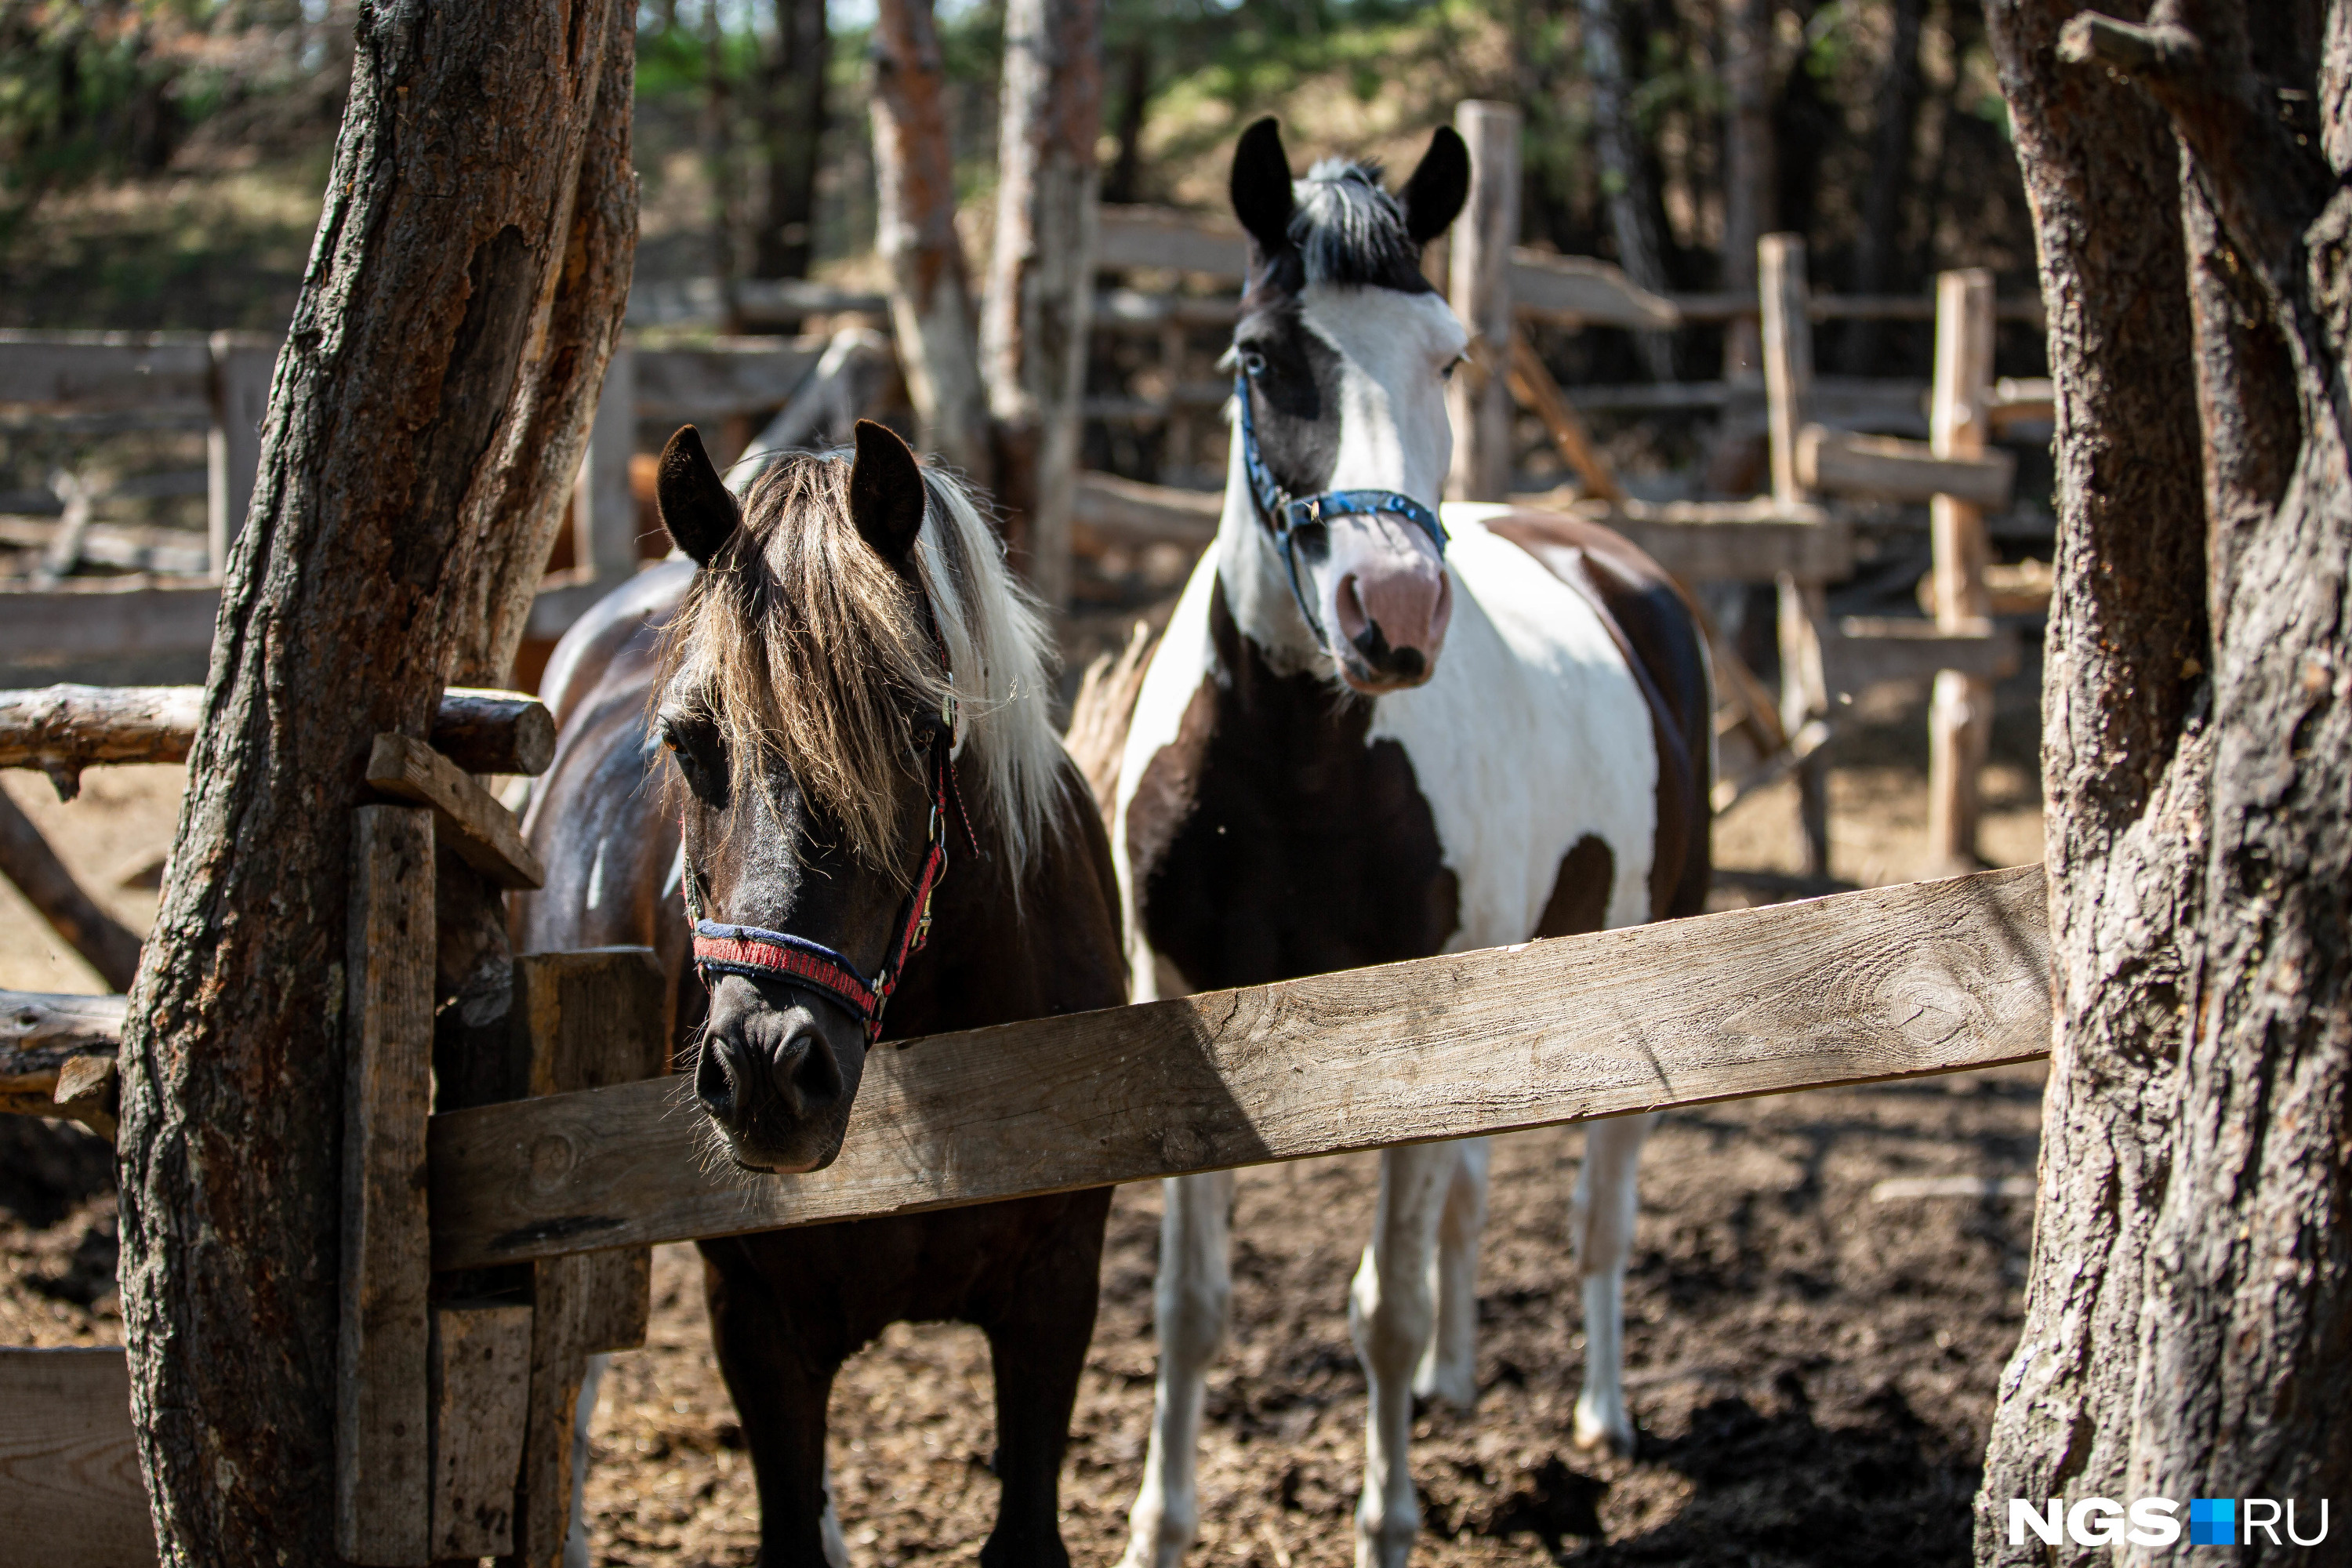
[1625, 176]
[1897, 111]
[1041, 274]
[428, 411]
[792, 122]
[931, 294]
[2191, 1291]
[1748, 181]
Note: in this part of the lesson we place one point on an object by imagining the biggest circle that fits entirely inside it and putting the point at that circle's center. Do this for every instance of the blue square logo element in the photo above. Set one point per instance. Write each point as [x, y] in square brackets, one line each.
[2213, 1522]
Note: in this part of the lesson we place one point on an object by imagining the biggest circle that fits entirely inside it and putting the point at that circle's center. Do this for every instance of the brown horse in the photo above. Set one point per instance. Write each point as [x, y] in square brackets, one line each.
[848, 656]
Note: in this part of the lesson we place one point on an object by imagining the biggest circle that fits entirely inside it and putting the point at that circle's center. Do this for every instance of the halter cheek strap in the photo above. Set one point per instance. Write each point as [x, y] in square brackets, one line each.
[760, 953]
[1285, 516]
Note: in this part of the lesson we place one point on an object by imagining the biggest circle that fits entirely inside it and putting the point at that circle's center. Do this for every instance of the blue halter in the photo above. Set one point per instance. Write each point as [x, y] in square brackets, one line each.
[1287, 516]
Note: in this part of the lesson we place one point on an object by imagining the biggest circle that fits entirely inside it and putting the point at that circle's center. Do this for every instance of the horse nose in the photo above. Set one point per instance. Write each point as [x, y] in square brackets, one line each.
[1395, 618]
[756, 1055]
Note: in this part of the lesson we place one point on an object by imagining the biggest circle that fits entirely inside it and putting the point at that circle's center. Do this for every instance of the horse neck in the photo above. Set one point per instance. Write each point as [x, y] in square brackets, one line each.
[993, 958]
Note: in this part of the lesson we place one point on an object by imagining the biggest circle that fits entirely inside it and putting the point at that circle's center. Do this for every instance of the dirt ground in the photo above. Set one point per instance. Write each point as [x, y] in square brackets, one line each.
[1813, 1369]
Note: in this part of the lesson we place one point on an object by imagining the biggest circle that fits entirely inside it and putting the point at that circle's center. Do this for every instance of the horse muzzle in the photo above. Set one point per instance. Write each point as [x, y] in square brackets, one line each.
[778, 1073]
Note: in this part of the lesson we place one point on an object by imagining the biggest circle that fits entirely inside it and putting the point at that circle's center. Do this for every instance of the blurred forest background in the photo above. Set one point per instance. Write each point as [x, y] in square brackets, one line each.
[161, 160]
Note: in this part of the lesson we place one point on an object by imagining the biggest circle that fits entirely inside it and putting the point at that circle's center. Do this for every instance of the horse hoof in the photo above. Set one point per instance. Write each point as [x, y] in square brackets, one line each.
[1159, 1545]
[1593, 1435]
[1455, 1386]
[1386, 1543]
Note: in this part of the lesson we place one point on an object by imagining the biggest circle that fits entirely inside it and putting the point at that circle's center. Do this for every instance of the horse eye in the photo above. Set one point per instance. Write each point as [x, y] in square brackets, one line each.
[1452, 366]
[1253, 361]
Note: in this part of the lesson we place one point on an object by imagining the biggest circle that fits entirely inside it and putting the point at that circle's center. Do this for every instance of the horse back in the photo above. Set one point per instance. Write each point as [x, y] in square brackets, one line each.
[1657, 629]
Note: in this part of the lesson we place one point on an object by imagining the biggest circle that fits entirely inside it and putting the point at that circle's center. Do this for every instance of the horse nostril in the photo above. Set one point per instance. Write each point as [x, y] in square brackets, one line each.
[715, 1077]
[814, 1077]
[1408, 663]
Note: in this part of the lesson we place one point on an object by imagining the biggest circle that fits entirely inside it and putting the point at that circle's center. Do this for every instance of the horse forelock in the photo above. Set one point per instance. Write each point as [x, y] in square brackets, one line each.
[801, 644]
[1345, 228]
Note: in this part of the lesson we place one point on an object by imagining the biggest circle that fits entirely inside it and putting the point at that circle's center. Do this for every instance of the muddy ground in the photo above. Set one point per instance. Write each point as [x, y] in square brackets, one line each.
[1813, 1369]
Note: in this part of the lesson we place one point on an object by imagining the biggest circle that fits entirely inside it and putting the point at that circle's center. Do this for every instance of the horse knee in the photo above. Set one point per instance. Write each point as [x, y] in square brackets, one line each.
[1389, 1315]
[1192, 1315]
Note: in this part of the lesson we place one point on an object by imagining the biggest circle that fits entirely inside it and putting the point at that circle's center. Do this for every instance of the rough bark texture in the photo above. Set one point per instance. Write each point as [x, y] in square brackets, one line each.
[1748, 178]
[930, 296]
[2192, 1293]
[791, 124]
[1895, 110]
[1624, 177]
[1041, 273]
[427, 412]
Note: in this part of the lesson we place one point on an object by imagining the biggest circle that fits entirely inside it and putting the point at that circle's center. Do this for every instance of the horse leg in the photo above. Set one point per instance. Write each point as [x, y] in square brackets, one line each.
[780, 1398]
[1449, 1368]
[1037, 1351]
[1603, 1224]
[576, 1546]
[1190, 1303]
[1390, 1314]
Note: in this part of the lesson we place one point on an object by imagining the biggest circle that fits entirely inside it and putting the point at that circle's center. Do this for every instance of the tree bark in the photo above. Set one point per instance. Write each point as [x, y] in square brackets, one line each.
[1748, 181]
[792, 122]
[931, 294]
[2192, 1291]
[1125, 182]
[1625, 176]
[1041, 274]
[428, 412]
[1896, 109]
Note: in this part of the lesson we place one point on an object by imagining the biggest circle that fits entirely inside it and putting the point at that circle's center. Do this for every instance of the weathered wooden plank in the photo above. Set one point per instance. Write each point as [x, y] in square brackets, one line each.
[1788, 355]
[1479, 265]
[1867, 650]
[480, 1403]
[484, 834]
[562, 1291]
[106, 618]
[1163, 237]
[1128, 511]
[587, 1019]
[1923, 978]
[1578, 291]
[1733, 542]
[70, 1496]
[95, 370]
[63, 729]
[1886, 469]
[2021, 400]
[727, 375]
[243, 365]
[382, 1435]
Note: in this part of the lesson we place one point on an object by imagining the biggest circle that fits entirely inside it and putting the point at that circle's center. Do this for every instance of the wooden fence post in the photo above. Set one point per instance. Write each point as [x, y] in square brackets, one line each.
[1959, 721]
[606, 518]
[243, 363]
[383, 1454]
[1787, 395]
[1480, 402]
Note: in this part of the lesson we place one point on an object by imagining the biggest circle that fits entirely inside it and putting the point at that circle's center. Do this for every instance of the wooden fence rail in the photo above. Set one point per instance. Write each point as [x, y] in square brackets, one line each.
[1923, 978]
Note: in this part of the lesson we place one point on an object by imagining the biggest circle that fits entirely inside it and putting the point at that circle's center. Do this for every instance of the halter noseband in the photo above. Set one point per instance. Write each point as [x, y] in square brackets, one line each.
[1287, 516]
[756, 953]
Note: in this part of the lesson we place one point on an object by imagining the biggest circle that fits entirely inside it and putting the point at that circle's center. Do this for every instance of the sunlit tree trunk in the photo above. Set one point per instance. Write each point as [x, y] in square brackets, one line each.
[429, 412]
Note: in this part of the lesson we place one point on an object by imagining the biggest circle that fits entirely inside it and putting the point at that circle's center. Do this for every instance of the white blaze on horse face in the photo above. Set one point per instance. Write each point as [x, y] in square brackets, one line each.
[1382, 590]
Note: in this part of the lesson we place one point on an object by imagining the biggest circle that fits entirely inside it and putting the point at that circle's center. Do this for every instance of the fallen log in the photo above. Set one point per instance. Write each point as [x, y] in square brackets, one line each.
[62, 729]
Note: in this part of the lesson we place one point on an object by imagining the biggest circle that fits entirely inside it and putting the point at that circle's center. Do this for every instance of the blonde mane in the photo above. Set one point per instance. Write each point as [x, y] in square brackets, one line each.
[803, 645]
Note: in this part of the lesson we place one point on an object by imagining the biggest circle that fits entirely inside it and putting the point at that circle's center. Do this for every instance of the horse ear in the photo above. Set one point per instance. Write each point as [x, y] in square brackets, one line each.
[886, 494]
[1261, 186]
[1433, 196]
[696, 508]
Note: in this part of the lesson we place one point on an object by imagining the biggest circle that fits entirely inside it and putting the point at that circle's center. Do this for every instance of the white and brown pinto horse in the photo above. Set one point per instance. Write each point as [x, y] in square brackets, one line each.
[1361, 741]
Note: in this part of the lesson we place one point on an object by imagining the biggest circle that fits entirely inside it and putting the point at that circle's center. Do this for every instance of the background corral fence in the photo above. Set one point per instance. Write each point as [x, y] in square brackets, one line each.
[487, 1252]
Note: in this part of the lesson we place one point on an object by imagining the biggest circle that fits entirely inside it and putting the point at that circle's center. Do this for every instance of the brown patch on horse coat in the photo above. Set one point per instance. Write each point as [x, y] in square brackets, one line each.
[1656, 630]
[1268, 840]
[1579, 893]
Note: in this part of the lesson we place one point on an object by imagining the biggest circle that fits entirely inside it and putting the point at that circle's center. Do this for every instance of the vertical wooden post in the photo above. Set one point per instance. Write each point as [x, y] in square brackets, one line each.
[1748, 174]
[1480, 288]
[605, 542]
[588, 1020]
[1788, 399]
[383, 1454]
[480, 1394]
[1959, 721]
[242, 365]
